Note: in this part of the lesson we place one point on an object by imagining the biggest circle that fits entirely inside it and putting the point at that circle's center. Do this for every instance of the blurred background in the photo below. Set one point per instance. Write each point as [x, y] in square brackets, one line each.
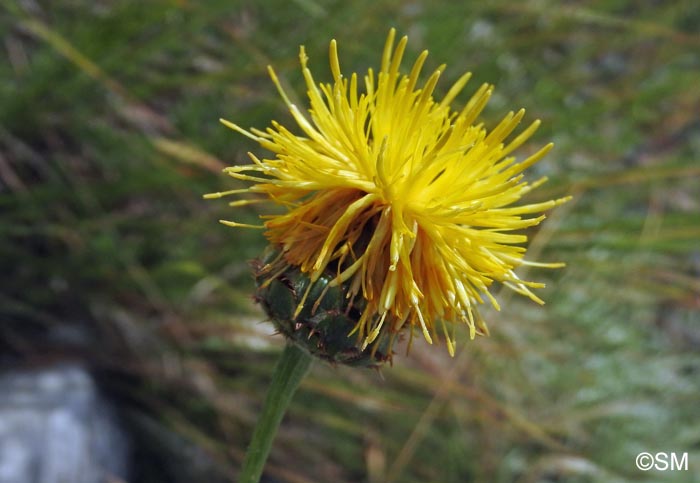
[114, 268]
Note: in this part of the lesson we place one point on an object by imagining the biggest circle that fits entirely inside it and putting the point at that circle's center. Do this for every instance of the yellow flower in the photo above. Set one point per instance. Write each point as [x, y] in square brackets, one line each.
[410, 203]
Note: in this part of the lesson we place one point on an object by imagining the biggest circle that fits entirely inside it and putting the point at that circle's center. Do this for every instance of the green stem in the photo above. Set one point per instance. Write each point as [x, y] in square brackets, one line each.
[291, 368]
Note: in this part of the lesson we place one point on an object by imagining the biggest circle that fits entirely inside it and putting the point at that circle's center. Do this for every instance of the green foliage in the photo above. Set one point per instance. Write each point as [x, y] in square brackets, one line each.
[109, 136]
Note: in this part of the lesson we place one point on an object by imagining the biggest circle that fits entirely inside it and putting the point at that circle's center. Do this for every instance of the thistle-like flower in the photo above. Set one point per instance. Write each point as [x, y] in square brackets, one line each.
[399, 212]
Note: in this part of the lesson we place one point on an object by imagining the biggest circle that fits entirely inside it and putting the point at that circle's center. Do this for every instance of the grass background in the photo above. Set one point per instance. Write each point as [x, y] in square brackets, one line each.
[109, 136]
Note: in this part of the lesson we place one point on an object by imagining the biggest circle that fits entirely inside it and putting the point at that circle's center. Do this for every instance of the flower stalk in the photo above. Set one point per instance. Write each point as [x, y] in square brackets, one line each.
[291, 368]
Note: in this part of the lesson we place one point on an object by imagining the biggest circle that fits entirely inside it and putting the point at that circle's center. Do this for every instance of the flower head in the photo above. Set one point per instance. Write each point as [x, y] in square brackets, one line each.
[408, 204]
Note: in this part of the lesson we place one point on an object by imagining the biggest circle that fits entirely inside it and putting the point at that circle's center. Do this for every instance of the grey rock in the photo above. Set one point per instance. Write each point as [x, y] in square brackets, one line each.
[56, 428]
